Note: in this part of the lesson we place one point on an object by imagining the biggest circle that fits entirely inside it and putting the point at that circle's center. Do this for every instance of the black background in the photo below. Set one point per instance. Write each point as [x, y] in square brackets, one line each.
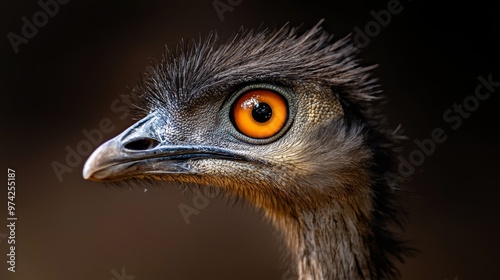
[66, 77]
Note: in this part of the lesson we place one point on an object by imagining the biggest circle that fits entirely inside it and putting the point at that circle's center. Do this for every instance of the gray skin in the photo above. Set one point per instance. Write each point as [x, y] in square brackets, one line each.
[322, 180]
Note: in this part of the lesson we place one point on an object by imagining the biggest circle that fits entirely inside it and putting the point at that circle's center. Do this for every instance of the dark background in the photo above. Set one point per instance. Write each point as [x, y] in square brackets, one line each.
[66, 77]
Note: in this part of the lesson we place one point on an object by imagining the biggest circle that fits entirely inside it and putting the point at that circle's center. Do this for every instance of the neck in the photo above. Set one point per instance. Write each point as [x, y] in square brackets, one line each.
[330, 243]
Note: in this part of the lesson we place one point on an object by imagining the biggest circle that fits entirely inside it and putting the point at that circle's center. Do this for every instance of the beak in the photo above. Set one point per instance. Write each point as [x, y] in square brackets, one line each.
[140, 151]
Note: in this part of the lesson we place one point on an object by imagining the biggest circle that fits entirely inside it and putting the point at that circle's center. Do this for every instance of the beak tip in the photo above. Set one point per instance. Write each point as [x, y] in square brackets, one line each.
[85, 174]
[87, 169]
[93, 163]
[99, 159]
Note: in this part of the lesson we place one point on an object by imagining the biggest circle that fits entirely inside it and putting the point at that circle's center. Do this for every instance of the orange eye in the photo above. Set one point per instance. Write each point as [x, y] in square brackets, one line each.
[260, 113]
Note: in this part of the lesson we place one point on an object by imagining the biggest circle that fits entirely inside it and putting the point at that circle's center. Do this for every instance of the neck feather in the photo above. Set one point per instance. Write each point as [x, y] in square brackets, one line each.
[329, 243]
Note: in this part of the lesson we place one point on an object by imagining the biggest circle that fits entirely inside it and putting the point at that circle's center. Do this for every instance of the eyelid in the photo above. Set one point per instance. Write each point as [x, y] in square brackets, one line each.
[227, 119]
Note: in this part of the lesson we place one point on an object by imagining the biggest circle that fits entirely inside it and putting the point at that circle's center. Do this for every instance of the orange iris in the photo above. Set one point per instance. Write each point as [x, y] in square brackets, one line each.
[260, 113]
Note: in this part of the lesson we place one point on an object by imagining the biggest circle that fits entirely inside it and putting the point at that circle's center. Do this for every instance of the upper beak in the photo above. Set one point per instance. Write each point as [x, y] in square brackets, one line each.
[140, 151]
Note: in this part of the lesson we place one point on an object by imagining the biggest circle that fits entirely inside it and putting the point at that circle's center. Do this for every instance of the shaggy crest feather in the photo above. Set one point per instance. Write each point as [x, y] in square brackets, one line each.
[282, 54]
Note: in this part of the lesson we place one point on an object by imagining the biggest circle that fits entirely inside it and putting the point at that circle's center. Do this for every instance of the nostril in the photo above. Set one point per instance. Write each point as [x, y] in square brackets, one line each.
[141, 144]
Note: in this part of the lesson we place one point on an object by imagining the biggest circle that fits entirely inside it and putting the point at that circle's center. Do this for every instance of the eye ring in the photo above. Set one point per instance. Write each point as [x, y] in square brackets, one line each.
[261, 113]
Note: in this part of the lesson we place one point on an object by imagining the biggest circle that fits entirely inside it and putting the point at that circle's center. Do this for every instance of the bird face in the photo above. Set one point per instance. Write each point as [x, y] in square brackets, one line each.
[259, 125]
[256, 116]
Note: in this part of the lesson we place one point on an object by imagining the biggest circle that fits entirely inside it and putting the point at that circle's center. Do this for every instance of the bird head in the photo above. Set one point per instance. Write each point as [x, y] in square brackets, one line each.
[286, 120]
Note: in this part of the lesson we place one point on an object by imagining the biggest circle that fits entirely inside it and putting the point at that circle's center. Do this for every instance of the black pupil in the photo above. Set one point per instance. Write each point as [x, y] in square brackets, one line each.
[262, 112]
